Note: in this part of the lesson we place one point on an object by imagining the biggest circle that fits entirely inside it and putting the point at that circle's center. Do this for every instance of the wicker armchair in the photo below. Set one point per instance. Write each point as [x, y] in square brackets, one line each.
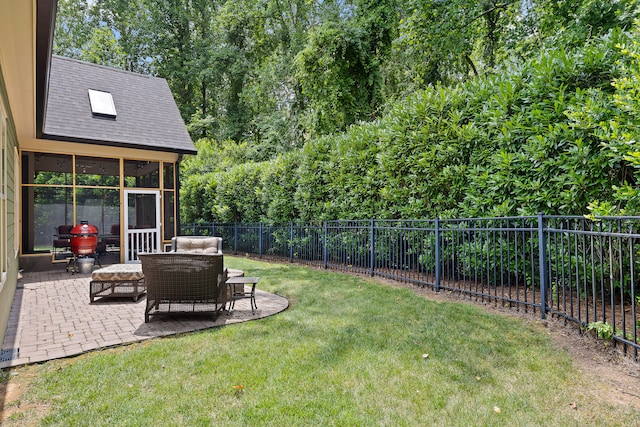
[184, 282]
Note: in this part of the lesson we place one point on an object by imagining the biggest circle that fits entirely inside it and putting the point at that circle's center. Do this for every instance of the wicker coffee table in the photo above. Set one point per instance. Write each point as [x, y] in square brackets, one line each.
[116, 281]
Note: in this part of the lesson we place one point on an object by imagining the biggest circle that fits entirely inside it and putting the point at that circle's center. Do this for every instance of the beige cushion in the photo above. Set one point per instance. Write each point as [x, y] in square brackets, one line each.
[118, 272]
[202, 245]
[232, 272]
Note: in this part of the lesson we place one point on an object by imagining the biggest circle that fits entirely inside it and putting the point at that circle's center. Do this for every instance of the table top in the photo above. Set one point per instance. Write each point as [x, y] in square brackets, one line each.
[242, 280]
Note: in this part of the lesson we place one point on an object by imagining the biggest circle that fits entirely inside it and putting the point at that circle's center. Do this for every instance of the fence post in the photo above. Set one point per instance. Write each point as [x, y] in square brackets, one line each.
[213, 228]
[437, 226]
[542, 255]
[324, 245]
[372, 240]
[291, 242]
[260, 240]
[235, 238]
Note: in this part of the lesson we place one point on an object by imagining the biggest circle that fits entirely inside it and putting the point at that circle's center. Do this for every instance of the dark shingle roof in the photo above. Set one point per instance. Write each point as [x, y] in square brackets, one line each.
[147, 115]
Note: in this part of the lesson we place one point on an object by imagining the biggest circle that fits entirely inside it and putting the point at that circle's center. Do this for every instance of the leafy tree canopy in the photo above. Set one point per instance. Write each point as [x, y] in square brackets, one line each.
[395, 108]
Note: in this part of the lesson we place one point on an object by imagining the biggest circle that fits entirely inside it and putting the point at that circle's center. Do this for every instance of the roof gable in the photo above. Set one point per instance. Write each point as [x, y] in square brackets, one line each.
[147, 115]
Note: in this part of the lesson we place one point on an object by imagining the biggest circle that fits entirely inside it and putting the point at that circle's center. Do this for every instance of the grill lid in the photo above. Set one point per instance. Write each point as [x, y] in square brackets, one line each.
[84, 229]
[84, 239]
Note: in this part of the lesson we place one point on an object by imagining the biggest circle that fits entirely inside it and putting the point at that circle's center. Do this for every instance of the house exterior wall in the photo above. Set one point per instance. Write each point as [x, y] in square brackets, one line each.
[17, 56]
[8, 208]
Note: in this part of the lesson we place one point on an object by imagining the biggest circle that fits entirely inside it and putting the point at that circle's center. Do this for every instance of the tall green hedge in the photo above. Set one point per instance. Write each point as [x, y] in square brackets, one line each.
[555, 135]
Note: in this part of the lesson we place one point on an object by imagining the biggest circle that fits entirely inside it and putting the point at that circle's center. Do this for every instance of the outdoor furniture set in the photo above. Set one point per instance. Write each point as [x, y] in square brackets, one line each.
[190, 278]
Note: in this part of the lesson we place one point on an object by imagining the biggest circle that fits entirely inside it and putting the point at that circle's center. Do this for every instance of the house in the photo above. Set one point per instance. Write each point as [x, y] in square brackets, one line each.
[80, 142]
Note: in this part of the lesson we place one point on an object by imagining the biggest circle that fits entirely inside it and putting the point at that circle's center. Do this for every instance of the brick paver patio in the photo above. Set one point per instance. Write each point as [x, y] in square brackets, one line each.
[52, 318]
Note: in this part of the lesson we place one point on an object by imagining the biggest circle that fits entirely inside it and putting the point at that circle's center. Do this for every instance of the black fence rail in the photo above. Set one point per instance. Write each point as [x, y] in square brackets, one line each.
[585, 271]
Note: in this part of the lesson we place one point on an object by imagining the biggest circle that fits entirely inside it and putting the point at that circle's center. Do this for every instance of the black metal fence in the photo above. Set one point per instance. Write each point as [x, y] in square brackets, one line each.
[582, 270]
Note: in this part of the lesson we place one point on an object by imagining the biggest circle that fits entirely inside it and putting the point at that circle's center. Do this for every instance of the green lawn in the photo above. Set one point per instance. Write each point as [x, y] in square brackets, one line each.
[347, 352]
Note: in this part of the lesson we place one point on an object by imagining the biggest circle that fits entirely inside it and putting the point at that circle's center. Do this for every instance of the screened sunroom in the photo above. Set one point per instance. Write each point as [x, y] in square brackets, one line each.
[121, 197]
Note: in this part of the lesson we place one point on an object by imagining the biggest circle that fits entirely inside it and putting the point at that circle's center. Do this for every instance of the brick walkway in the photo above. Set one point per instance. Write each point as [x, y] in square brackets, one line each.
[52, 318]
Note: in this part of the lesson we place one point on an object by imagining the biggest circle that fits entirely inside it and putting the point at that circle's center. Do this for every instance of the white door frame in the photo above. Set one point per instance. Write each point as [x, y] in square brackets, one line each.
[138, 240]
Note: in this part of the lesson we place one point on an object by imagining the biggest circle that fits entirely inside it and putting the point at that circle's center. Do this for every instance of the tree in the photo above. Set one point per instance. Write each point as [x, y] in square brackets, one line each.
[339, 68]
[172, 50]
[74, 26]
[103, 48]
[450, 41]
[570, 23]
[130, 21]
[272, 93]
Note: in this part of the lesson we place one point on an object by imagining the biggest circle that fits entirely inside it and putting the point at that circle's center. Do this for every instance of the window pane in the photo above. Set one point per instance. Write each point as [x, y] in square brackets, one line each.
[96, 171]
[141, 174]
[52, 207]
[168, 176]
[169, 217]
[49, 169]
[100, 207]
[141, 211]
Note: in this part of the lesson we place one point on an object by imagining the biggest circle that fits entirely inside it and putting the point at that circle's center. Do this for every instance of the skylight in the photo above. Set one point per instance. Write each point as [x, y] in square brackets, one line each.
[102, 103]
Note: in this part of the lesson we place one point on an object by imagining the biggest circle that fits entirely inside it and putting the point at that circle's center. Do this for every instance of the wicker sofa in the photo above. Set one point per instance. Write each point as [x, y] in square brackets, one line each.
[184, 282]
